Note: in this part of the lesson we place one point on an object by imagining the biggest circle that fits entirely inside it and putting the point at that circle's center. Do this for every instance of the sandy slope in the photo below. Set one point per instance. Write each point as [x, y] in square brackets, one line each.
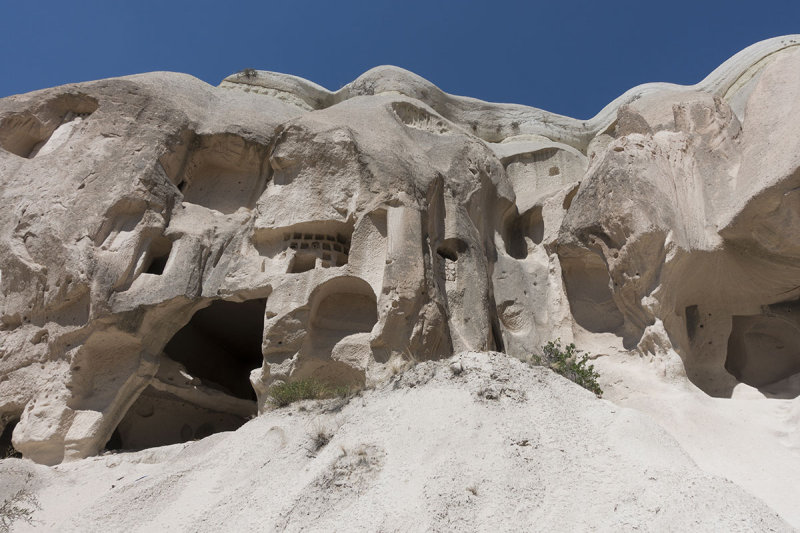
[499, 446]
[750, 439]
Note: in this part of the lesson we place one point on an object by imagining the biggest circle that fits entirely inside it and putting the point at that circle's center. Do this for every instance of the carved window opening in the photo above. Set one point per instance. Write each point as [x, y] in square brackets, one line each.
[449, 251]
[316, 249]
[159, 255]
[303, 263]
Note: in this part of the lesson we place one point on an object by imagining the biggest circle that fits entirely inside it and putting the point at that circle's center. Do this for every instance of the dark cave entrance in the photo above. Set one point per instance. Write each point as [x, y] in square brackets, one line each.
[6, 448]
[203, 384]
[160, 251]
[221, 344]
[521, 228]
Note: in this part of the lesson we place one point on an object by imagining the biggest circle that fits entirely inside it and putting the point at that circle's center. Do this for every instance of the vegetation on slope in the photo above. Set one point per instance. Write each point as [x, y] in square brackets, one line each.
[568, 362]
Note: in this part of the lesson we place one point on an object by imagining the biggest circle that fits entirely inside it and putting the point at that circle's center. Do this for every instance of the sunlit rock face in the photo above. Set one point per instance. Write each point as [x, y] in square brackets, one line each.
[169, 249]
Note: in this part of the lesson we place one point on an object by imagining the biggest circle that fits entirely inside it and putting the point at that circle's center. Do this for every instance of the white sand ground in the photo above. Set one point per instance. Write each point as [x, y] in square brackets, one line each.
[749, 439]
[499, 446]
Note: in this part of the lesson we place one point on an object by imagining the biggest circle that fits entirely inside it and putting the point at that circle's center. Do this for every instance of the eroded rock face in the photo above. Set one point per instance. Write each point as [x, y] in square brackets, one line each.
[692, 223]
[170, 249]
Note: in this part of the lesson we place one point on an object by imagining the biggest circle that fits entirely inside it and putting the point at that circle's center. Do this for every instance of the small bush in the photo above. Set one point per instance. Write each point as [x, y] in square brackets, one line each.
[7, 451]
[20, 506]
[568, 362]
[283, 394]
[320, 437]
[249, 73]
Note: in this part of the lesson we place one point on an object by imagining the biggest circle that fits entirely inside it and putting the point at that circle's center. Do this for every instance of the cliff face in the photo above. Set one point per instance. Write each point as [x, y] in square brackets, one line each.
[169, 249]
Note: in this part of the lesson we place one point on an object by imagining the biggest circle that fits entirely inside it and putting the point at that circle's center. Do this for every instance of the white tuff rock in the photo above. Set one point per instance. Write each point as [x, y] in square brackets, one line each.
[171, 250]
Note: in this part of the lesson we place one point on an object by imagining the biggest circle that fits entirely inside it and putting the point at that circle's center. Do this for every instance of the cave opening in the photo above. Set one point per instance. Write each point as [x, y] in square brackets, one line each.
[221, 344]
[160, 251]
[451, 249]
[6, 447]
[692, 313]
[523, 229]
[343, 312]
[764, 349]
[587, 283]
[203, 383]
[302, 263]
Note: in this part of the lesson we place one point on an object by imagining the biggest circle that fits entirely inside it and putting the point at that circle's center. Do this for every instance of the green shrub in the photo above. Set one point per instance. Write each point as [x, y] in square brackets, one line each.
[568, 362]
[283, 394]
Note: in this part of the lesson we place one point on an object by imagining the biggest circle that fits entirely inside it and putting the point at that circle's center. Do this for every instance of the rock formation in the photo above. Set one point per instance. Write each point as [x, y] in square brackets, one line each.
[169, 250]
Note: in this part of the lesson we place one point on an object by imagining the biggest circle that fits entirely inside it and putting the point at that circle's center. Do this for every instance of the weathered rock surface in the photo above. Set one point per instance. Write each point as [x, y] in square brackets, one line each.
[169, 250]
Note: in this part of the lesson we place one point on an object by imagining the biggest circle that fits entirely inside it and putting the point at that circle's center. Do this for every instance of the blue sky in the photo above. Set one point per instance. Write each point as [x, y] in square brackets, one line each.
[566, 57]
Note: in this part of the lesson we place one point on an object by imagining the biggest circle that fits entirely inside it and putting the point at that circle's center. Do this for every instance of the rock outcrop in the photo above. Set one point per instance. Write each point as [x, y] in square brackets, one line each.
[170, 250]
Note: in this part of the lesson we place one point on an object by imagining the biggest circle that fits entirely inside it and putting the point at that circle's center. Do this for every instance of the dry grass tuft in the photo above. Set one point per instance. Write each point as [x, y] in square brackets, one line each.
[18, 507]
[284, 394]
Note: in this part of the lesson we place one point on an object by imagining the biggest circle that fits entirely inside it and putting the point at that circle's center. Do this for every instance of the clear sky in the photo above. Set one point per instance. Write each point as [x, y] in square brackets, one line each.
[569, 57]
